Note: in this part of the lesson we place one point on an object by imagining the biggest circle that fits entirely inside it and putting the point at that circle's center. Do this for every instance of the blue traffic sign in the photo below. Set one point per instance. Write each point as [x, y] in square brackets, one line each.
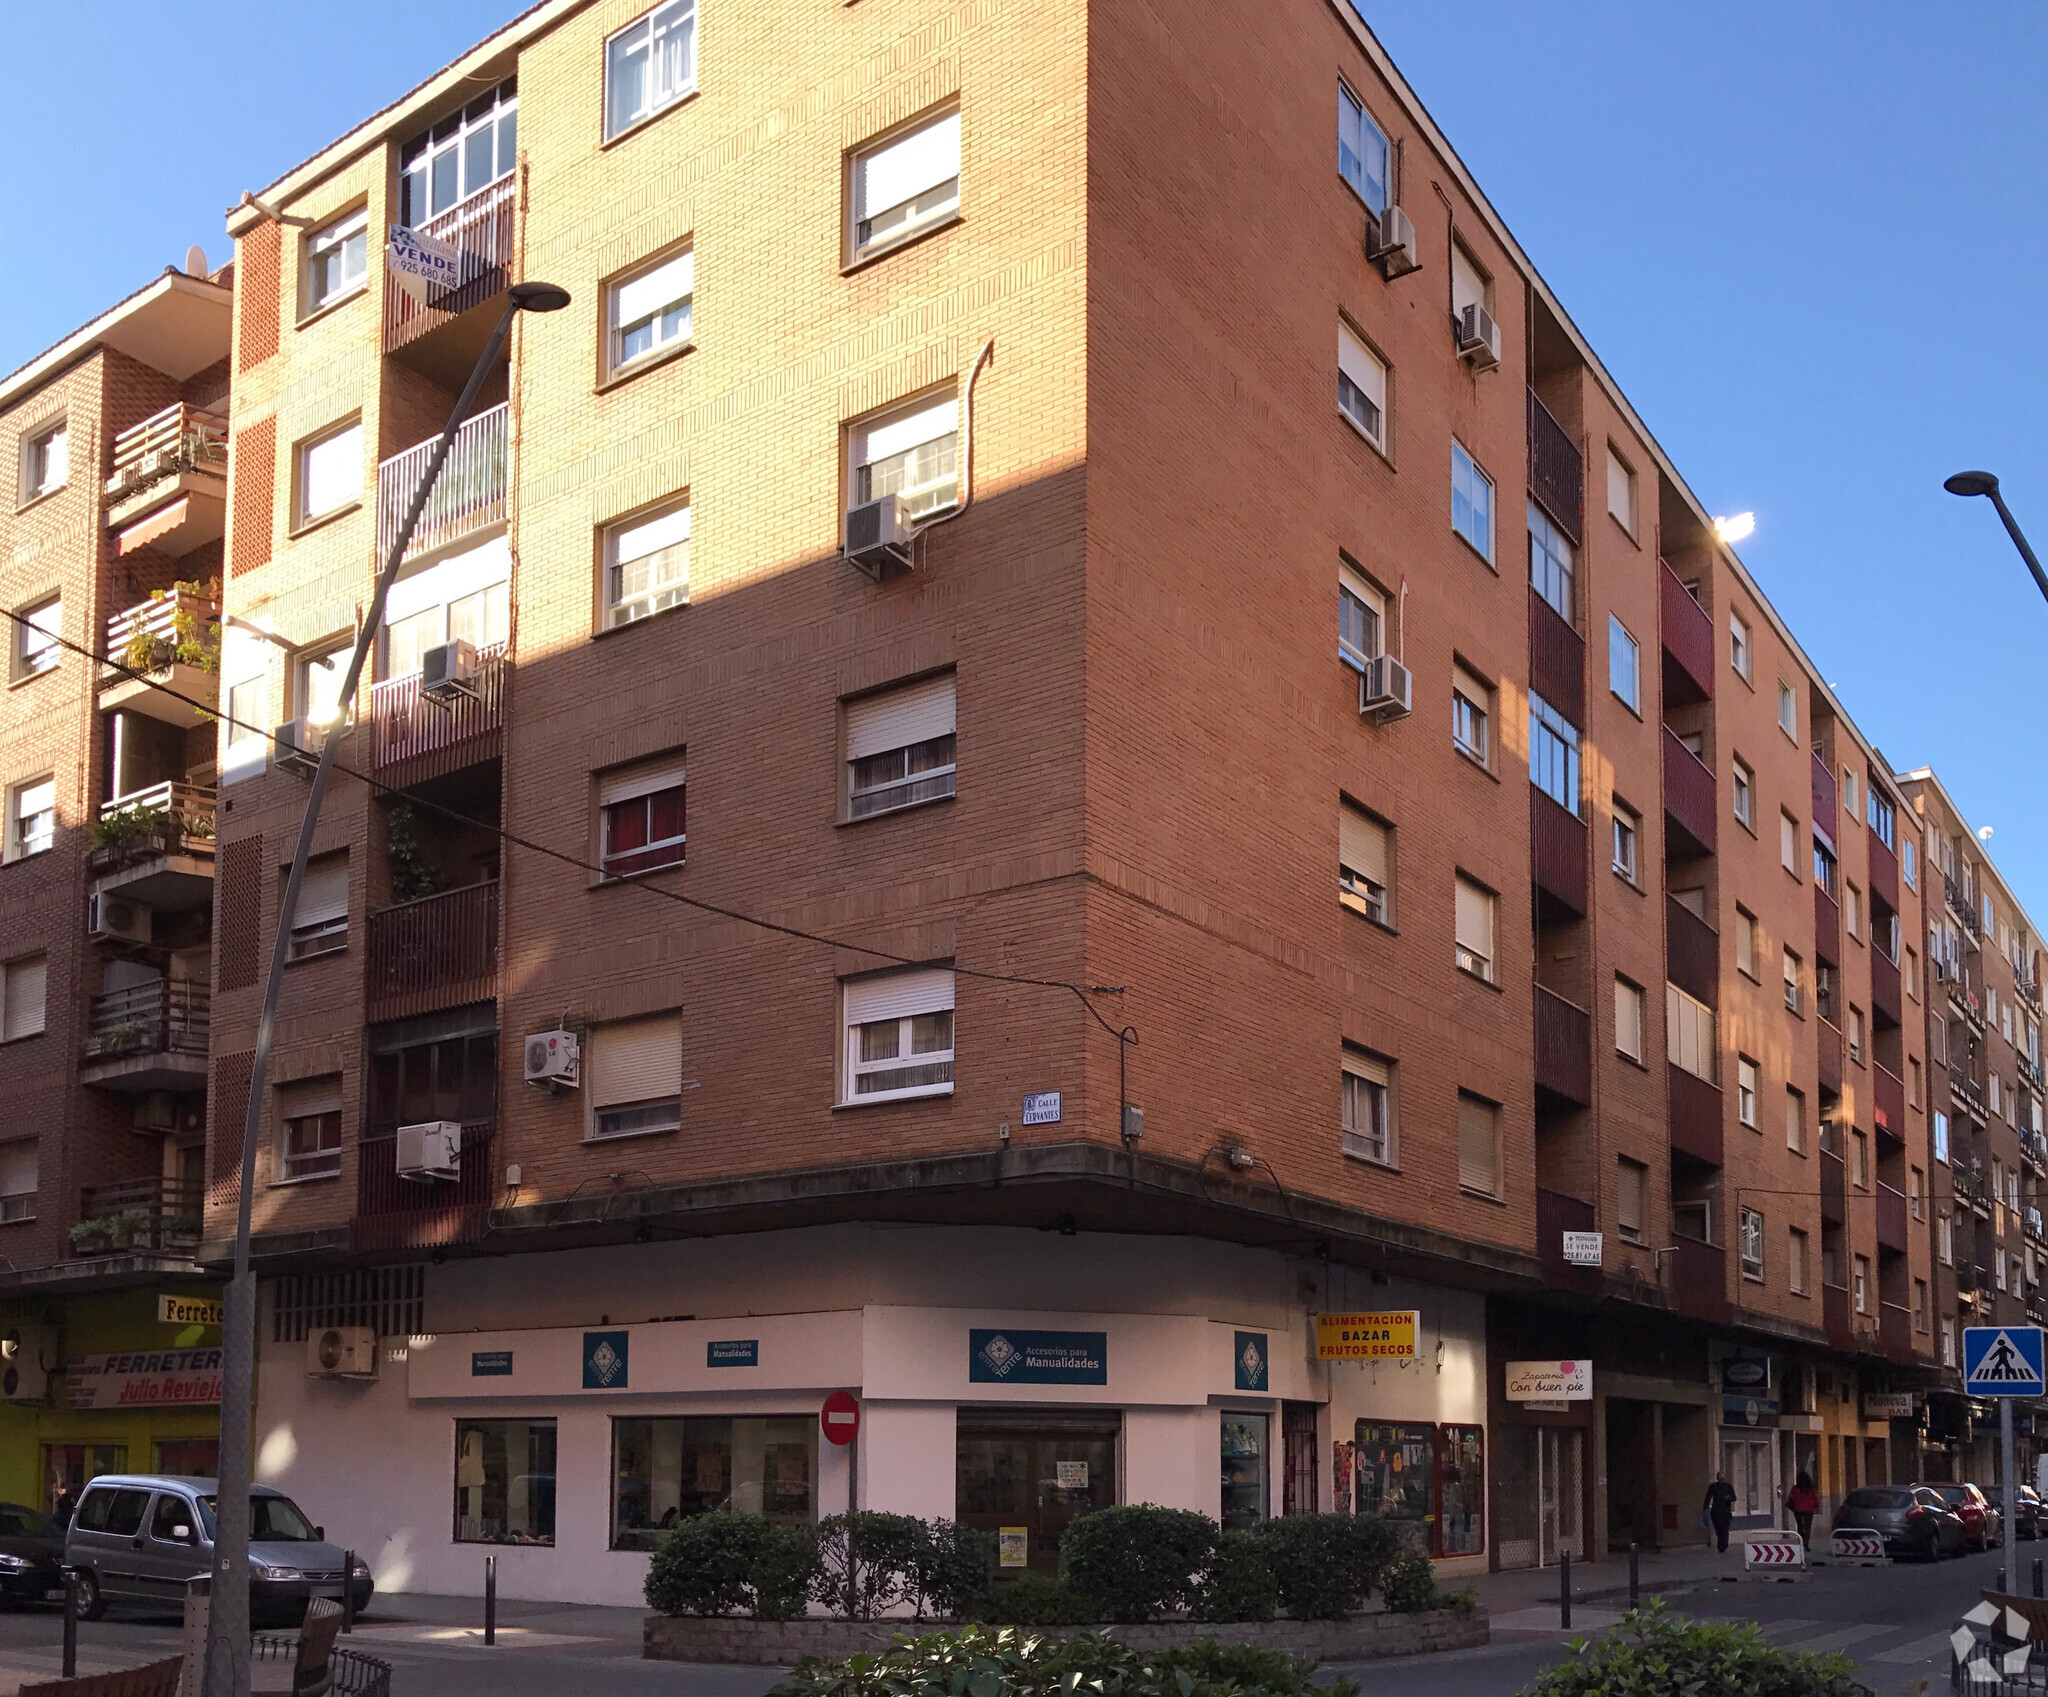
[2002, 1361]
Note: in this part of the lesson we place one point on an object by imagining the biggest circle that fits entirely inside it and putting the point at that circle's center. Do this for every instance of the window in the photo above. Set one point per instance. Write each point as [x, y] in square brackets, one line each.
[320, 922]
[317, 677]
[1361, 618]
[1745, 793]
[911, 453]
[1738, 645]
[37, 636]
[1469, 284]
[1912, 1081]
[649, 65]
[899, 1035]
[900, 747]
[337, 259]
[1788, 843]
[1631, 1189]
[1998, 1267]
[1945, 1239]
[22, 984]
[1689, 1035]
[1916, 1192]
[1788, 710]
[1948, 1341]
[636, 1077]
[309, 1129]
[1621, 492]
[1856, 1035]
[1624, 665]
[1550, 563]
[1628, 829]
[1752, 1244]
[1797, 1271]
[670, 1469]
[1795, 1120]
[1361, 150]
[45, 462]
[642, 810]
[1553, 754]
[1745, 941]
[31, 817]
[1745, 1091]
[1471, 715]
[648, 313]
[1361, 387]
[1478, 1145]
[1795, 1001]
[1823, 866]
[1849, 795]
[1471, 501]
[1852, 909]
[1941, 1136]
[505, 1482]
[1912, 973]
[1909, 864]
[18, 1180]
[1859, 1159]
[1861, 1289]
[1883, 819]
[1368, 1108]
[1365, 863]
[462, 155]
[1628, 1018]
[330, 473]
[1475, 909]
[647, 565]
[908, 184]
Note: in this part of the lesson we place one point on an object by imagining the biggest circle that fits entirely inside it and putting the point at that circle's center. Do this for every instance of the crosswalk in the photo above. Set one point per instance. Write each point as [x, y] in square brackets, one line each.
[1858, 1641]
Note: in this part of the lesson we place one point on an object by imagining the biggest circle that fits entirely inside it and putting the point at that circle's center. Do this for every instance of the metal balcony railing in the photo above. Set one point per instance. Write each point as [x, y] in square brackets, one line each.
[1564, 1048]
[1689, 792]
[1688, 635]
[425, 953]
[170, 1016]
[166, 818]
[1962, 902]
[180, 438]
[468, 495]
[482, 230]
[1557, 470]
[394, 1212]
[408, 725]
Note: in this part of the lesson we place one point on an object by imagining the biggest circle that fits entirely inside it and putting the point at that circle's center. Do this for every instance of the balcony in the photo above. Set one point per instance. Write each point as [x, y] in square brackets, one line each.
[1895, 1332]
[1892, 1221]
[438, 952]
[1827, 925]
[1828, 1048]
[1965, 1094]
[1557, 853]
[1557, 660]
[173, 638]
[1834, 1307]
[1688, 637]
[1692, 951]
[1695, 1119]
[1564, 1052]
[1970, 1188]
[1557, 1214]
[2034, 1149]
[1699, 1281]
[169, 488]
[1962, 904]
[148, 1037]
[482, 231]
[2035, 1230]
[467, 497]
[1834, 1190]
[1890, 1095]
[415, 737]
[156, 847]
[393, 1212]
[1557, 471]
[2027, 986]
[1969, 1004]
[1689, 800]
[1823, 797]
[1884, 872]
[146, 1216]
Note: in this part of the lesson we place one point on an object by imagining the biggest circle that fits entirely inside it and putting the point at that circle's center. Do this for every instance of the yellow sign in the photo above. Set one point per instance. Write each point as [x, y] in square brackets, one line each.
[190, 1311]
[1013, 1546]
[1388, 1335]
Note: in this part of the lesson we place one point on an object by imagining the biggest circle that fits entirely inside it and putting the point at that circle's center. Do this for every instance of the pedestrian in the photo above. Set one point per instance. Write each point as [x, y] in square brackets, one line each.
[1804, 1502]
[1719, 1509]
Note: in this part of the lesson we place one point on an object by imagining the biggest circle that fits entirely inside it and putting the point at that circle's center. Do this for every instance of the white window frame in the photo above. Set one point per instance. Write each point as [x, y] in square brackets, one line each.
[1742, 791]
[14, 1018]
[19, 1203]
[331, 660]
[1475, 695]
[1361, 387]
[22, 843]
[909, 429]
[671, 557]
[45, 446]
[316, 1106]
[1467, 470]
[1745, 1091]
[496, 113]
[1631, 1172]
[640, 784]
[1795, 982]
[926, 703]
[1745, 942]
[658, 26]
[1628, 841]
[1554, 755]
[343, 244]
[1357, 888]
[1788, 843]
[1369, 154]
[303, 513]
[1741, 648]
[649, 1112]
[319, 926]
[1795, 1119]
[1492, 1110]
[1631, 1010]
[930, 204]
[1553, 565]
[632, 291]
[1352, 586]
[1621, 642]
[1626, 483]
[902, 999]
[1474, 954]
[1788, 709]
[1367, 1082]
[38, 631]
[1751, 1242]
[1799, 1256]
[1691, 1034]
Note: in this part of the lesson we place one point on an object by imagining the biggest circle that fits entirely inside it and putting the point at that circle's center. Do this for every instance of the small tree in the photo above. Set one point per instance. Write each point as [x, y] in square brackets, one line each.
[724, 1563]
[1140, 1561]
[866, 1562]
[949, 1569]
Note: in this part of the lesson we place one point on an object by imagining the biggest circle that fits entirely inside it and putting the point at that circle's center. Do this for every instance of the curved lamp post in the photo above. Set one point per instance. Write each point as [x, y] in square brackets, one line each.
[1984, 483]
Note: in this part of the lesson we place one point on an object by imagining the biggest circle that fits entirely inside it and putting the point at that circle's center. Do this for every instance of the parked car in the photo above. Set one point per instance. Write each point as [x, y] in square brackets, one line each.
[31, 1556]
[1979, 1518]
[139, 1537]
[2025, 1518]
[1913, 1520]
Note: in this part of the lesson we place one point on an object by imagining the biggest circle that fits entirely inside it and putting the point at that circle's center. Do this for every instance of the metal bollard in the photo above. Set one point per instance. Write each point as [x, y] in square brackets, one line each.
[348, 1590]
[70, 1623]
[1634, 1578]
[2037, 1576]
[490, 1600]
[1564, 1591]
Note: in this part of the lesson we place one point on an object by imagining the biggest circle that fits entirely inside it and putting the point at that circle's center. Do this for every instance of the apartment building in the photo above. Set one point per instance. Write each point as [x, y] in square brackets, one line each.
[1019, 970]
[116, 443]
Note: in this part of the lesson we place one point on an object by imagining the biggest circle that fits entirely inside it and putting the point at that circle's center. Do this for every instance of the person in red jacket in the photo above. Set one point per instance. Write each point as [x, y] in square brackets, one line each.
[1804, 1502]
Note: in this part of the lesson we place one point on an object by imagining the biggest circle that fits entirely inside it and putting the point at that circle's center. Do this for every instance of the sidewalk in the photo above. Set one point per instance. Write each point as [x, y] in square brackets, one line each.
[1606, 1579]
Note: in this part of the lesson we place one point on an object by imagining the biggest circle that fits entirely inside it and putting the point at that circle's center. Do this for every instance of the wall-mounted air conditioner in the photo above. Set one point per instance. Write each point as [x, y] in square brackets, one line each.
[117, 918]
[1385, 689]
[877, 538]
[28, 1355]
[554, 1057]
[1478, 338]
[298, 746]
[1391, 244]
[341, 1352]
[449, 673]
[430, 1150]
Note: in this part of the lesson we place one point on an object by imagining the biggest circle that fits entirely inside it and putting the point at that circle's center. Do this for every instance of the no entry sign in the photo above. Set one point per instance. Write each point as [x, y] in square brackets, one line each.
[839, 1419]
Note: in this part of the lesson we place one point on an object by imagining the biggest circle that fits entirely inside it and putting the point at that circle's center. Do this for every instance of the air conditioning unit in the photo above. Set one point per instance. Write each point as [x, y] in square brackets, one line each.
[430, 1150]
[28, 1354]
[341, 1352]
[116, 917]
[877, 538]
[1391, 244]
[1478, 338]
[298, 746]
[156, 1111]
[1385, 689]
[554, 1057]
[449, 673]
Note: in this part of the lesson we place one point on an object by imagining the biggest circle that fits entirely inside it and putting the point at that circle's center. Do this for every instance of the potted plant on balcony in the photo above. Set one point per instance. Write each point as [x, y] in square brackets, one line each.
[117, 1039]
[133, 1228]
[191, 641]
[92, 1237]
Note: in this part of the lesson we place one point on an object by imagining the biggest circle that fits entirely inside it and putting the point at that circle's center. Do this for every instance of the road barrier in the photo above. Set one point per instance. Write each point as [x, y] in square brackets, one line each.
[1858, 1549]
[1776, 1555]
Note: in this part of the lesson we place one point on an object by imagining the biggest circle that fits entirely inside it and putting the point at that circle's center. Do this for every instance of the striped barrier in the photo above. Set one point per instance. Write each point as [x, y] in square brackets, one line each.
[1858, 1549]
[1775, 1556]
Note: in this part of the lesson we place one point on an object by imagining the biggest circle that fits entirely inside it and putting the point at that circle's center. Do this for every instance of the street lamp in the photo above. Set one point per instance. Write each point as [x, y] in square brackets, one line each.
[227, 1633]
[1983, 483]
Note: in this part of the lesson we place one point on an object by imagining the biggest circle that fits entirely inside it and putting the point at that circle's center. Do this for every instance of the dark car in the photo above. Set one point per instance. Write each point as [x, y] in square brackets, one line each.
[1981, 1522]
[2025, 1519]
[31, 1557]
[1911, 1518]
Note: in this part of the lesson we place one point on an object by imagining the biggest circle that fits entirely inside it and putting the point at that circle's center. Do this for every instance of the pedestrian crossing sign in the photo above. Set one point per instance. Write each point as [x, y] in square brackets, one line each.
[2002, 1361]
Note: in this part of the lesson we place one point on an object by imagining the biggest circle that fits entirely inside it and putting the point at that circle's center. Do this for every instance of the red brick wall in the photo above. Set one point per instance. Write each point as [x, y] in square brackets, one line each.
[258, 297]
[252, 515]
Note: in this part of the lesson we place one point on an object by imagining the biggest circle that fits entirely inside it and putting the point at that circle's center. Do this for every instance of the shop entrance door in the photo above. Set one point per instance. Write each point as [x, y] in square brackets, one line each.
[1560, 1488]
[1033, 1471]
[1299, 1493]
[67, 1467]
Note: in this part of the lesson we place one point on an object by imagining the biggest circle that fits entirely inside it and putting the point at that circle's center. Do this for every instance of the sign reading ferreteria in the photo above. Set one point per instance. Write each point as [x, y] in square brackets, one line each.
[1550, 1381]
[191, 1311]
[1376, 1335]
[146, 1378]
[1003, 1356]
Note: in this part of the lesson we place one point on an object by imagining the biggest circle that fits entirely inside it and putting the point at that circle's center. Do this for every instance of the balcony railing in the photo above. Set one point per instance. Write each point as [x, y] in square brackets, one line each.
[1689, 797]
[481, 229]
[1699, 1280]
[1962, 902]
[436, 952]
[1692, 950]
[1557, 659]
[1828, 1052]
[2027, 987]
[2035, 1230]
[1695, 1117]
[178, 439]
[1823, 793]
[468, 495]
[166, 818]
[1557, 471]
[1557, 852]
[1962, 1089]
[1557, 1214]
[146, 637]
[1970, 1187]
[1564, 1049]
[1688, 636]
[1884, 988]
[1895, 1331]
[1892, 1226]
[170, 1016]
[393, 1212]
[1827, 925]
[1834, 1307]
[1834, 1192]
[1890, 1096]
[1884, 871]
[409, 726]
[152, 1215]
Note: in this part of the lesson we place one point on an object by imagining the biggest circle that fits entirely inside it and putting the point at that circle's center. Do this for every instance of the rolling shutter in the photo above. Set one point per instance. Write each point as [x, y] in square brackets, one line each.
[1362, 845]
[309, 1097]
[637, 540]
[1478, 1151]
[641, 780]
[23, 1015]
[447, 580]
[323, 896]
[1475, 919]
[899, 717]
[898, 995]
[637, 1060]
[647, 294]
[1362, 367]
[904, 168]
[18, 1169]
[890, 436]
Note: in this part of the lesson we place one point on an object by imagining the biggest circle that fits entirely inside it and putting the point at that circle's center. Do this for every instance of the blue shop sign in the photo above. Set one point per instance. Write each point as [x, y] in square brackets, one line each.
[1008, 1357]
[733, 1352]
[490, 1364]
[604, 1361]
[1251, 1361]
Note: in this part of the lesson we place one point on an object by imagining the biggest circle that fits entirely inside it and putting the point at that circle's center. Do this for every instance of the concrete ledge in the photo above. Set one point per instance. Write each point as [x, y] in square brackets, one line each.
[778, 1643]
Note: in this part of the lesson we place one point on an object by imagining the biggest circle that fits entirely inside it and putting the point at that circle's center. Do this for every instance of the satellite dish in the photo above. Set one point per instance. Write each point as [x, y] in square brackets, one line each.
[195, 261]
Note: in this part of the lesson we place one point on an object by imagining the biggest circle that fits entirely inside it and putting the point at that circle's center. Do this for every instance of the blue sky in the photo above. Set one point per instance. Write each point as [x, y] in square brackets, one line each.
[1806, 240]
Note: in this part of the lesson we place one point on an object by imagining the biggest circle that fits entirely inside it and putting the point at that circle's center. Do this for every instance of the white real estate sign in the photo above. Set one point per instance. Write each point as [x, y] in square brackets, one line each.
[424, 266]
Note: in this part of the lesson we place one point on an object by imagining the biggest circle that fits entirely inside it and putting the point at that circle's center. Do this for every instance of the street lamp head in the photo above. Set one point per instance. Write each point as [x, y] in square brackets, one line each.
[539, 297]
[1972, 483]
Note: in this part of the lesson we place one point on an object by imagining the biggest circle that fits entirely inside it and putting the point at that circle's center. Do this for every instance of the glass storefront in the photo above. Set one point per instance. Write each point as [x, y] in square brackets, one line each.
[665, 1470]
[1460, 1490]
[67, 1467]
[504, 1481]
[1025, 1474]
[1428, 1480]
[1244, 1470]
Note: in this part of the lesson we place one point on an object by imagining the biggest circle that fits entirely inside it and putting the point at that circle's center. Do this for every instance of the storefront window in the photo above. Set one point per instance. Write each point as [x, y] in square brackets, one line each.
[67, 1467]
[1025, 1475]
[664, 1471]
[1461, 1490]
[504, 1481]
[1244, 1470]
[194, 1458]
[1396, 1465]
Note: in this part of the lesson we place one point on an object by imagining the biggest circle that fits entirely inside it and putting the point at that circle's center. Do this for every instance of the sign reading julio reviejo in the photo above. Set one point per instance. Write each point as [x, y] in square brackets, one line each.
[1378, 1335]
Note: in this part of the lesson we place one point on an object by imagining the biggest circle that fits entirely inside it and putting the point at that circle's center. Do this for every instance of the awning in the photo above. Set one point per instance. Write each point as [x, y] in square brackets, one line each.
[144, 531]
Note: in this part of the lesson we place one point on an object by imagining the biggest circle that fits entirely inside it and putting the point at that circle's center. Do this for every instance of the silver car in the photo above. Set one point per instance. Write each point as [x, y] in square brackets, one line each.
[139, 1537]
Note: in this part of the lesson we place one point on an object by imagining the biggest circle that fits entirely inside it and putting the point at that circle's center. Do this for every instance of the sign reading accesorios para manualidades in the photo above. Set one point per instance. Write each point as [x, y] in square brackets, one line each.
[1382, 1335]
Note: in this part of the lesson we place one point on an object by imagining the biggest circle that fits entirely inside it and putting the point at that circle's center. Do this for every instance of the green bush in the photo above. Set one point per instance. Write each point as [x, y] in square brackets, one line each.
[1138, 1562]
[1037, 1599]
[1656, 1654]
[1408, 1584]
[724, 1563]
[949, 1570]
[1239, 1584]
[1326, 1565]
[865, 1562]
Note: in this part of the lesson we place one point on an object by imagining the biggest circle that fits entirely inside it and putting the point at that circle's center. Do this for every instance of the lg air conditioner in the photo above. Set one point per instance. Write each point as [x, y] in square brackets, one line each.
[553, 1057]
[448, 674]
[116, 917]
[1385, 689]
[298, 746]
[1478, 338]
[430, 1150]
[877, 538]
[27, 1355]
[341, 1352]
[1391, 244]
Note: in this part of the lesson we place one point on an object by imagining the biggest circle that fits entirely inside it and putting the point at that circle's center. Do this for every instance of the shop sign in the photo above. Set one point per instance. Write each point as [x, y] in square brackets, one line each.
[1582, 1249]
[191, 1311]
[1557, 1382]
[1383, 1335]
[1007, 1357]
[1042, 1108]
[1252, 1356]
[733, 1352]
[1013, 1546]
[1887, 1405]
[1745, 1375]
[1749, 1411]
[490, 1364]
[604, 1361]
[146, 1378]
